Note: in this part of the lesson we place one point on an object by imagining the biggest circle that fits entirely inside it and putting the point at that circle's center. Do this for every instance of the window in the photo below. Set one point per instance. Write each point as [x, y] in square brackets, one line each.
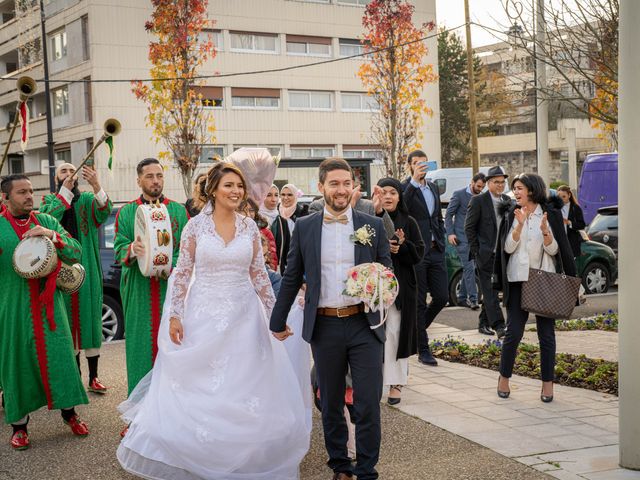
[16, 164]
[88, 112]
[359, 102]
[256, 98]
[349, 47]
[85, 37]
[63, 156]
[60, 101]
[253, 42]
[273, 149]
[360, 3]
[58, 45]
[215, 36]
[312, 152]
[312, 46]
[209, 153]
[212, 97]
[300, 100]
[362, 153]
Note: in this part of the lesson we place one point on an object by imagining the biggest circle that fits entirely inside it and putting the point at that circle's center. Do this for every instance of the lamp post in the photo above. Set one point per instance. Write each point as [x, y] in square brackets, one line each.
[47, 101]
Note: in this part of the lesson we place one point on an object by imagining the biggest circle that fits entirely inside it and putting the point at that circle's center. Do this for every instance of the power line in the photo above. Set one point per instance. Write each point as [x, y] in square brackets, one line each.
[258, 72]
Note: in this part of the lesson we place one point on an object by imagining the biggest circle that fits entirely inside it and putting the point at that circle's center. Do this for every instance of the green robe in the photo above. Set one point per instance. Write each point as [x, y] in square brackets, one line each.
[84, 308]
[37, 361]
[142, 297]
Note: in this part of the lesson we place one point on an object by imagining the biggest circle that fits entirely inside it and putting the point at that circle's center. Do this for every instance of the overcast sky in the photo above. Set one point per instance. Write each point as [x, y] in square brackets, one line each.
[450, 13]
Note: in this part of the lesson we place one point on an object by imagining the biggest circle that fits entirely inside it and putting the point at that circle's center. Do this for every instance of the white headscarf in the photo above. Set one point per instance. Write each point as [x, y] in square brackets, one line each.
[269, 214]
[286, 212]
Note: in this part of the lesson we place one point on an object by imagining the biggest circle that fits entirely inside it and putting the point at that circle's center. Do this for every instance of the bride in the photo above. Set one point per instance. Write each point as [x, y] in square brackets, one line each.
[222, 401]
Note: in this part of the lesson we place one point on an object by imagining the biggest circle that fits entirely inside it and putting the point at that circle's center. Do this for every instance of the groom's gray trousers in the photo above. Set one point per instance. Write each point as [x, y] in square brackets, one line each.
[339, 343]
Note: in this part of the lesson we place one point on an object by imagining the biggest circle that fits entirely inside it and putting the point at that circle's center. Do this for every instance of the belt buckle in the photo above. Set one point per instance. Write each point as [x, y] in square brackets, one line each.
[339, 314]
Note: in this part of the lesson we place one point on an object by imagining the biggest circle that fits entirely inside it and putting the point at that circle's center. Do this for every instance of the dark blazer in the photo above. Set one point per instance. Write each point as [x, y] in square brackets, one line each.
[304, 265]
[576, 217]
[430, 224]
[409, 255]
[282, 235]
[481, 226]
[563, 259]
[456, 215]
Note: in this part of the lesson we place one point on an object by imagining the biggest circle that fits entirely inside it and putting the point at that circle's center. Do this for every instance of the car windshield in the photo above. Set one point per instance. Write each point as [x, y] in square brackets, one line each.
[604, 222]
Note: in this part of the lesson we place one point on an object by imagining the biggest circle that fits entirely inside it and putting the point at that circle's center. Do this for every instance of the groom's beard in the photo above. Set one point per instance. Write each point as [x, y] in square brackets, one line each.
[339, 204]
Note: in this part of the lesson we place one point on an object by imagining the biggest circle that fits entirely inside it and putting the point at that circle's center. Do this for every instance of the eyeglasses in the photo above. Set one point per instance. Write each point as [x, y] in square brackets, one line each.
[499, 182]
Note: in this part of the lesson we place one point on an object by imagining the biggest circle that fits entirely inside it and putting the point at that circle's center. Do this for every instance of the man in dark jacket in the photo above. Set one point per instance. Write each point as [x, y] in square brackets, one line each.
[423, 202]
[454, 223]
[484, 217]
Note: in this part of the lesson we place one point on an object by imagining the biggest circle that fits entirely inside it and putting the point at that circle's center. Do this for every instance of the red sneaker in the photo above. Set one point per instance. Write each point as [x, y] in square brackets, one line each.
[78, 427]
[124, 431]
[20, 440]
[96, 387]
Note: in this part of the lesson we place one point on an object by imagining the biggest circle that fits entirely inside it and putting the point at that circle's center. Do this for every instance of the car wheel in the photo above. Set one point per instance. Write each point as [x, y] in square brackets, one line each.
[595, 278]
[112, 319]
[454, 289]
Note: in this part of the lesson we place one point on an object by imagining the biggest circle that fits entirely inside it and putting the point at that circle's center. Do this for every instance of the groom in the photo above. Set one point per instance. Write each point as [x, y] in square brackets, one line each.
[336, 326]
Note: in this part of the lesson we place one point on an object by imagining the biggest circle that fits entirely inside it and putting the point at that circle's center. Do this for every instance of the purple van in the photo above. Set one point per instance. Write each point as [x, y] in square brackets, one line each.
[598, 184]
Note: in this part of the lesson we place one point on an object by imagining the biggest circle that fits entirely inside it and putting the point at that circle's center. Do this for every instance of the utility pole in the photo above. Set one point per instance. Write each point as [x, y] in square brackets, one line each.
[473, 121]
[47, 101]
[542, 106]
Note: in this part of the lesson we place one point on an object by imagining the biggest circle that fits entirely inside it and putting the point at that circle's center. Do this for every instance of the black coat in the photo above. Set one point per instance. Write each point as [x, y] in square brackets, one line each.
[576, 217]
[481, 226]
[410, 254]
[563, 259]
[429, 224]
[282, 235]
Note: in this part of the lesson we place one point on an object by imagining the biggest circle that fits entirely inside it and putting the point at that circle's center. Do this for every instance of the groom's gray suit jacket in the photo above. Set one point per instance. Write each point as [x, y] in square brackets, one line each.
[304, 266]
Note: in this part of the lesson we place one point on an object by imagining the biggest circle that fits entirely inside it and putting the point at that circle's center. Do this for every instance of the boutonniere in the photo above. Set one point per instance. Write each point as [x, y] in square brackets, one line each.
[363, 235]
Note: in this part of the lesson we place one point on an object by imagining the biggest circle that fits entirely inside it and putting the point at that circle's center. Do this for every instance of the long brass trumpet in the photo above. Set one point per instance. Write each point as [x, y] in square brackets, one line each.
[111, 128]
[27, 87]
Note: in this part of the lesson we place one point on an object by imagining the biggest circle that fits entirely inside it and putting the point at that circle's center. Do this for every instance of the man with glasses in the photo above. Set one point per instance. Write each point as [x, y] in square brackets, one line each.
[484, 216]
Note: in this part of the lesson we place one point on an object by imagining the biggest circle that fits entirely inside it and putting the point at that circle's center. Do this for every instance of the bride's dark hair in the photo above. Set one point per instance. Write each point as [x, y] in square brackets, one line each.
[207, 187]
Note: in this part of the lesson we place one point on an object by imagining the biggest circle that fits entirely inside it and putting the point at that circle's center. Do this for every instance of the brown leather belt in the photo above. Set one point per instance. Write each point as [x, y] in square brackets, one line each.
[341, 312]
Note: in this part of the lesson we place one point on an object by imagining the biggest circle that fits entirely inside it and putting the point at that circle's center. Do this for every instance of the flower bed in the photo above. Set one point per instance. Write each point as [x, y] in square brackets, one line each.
[605, 321]
[571, 370]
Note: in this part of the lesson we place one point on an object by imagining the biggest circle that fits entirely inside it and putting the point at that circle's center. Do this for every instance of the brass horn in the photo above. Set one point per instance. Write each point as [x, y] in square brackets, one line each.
[26, 86]
[111, 128]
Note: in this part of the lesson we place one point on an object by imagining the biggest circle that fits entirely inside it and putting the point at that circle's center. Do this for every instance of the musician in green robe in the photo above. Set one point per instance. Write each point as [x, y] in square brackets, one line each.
[143, 297]
[82, 214]
[37, 365]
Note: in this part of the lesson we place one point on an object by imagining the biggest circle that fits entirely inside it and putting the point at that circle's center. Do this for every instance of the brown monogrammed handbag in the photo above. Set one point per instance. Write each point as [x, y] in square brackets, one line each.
[550, 294]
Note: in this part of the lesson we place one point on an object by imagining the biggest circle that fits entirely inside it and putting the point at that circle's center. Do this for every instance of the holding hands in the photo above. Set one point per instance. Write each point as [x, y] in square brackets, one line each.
[283, 335]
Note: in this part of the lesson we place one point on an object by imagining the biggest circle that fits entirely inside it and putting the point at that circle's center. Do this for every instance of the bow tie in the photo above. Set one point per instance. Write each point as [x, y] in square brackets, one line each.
[329, 219]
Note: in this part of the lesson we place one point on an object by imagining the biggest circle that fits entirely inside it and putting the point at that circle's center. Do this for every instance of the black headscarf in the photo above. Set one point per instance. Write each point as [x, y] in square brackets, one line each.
[68, 220]
[400, 214]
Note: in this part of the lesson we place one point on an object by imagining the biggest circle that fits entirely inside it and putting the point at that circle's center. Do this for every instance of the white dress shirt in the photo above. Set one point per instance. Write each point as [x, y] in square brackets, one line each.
[337, 256]
[526, 252]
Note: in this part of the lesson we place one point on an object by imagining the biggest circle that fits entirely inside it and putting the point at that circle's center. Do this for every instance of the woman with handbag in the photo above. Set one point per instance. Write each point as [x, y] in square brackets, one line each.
[532, 236]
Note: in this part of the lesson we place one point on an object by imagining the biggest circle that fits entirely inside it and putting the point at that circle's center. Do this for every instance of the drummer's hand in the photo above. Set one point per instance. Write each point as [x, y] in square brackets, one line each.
[69, 182]
[283, 335]
[175, 330]
[138, 247]
[39, 231]
[91, 176]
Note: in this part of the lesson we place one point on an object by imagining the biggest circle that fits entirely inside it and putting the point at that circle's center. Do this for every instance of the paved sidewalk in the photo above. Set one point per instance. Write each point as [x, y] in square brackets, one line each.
[592, 343]
[574, 437]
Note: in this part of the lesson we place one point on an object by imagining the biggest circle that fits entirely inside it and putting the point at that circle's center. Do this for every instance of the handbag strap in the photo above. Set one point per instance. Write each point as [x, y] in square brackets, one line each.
[559, 255]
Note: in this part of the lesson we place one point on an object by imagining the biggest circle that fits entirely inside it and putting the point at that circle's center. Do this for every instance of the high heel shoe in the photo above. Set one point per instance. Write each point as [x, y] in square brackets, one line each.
[546, 398]
[502, 394]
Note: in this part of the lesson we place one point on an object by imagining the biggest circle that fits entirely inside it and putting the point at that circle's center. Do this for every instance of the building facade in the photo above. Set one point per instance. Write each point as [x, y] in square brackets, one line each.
[311, 112]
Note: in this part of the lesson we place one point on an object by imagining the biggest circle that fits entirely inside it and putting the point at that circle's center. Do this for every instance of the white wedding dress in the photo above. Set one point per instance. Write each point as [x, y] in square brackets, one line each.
[226, 404]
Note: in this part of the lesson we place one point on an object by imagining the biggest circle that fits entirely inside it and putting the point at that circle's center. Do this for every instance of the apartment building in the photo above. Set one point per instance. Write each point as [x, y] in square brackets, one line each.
[307, 113]
[511, 142]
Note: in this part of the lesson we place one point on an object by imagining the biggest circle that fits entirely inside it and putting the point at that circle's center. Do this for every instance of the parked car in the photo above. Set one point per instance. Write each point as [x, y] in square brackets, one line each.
[604, 227]
[597, 266]
[598, 186]
[112, 313]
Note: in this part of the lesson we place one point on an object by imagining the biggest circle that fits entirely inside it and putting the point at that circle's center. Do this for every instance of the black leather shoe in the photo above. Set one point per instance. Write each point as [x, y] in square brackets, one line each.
[427, 359]
[546, 398]
[502, 394]
[474, 306]
[485, 330]
[500, 333]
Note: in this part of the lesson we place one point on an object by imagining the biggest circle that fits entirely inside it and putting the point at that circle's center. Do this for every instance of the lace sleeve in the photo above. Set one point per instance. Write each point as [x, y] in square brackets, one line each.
[184, 268]
[258, 273]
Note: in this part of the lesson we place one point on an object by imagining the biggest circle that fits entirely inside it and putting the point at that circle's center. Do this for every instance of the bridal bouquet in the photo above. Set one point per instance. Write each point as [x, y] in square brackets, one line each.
[374, 285]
